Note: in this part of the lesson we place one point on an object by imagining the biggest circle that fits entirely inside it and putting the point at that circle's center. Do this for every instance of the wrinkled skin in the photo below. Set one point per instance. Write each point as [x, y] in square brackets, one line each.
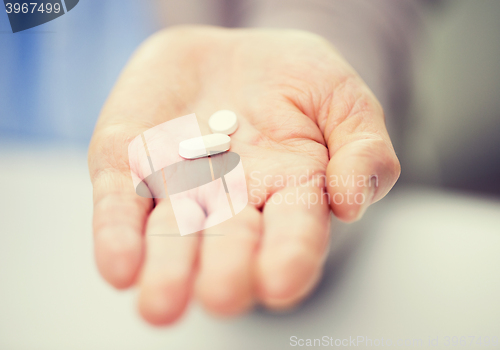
[302, 110]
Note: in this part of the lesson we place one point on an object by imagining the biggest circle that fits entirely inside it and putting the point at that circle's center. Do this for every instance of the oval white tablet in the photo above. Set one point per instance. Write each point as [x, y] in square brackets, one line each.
[223, 122]
[204, 145]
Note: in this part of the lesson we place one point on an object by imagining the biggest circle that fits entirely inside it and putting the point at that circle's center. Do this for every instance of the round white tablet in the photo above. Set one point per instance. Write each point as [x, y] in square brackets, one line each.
[204, 146]
[223, 122]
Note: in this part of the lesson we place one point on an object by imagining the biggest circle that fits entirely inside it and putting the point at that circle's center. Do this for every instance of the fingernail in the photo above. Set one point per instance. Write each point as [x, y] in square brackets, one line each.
[368, 193]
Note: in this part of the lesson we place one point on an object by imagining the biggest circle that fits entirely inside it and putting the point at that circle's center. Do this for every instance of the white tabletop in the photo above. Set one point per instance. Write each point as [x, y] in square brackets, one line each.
[422, 264]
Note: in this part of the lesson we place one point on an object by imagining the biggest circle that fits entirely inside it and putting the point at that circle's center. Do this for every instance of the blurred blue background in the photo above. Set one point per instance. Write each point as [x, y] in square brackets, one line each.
[54, 78]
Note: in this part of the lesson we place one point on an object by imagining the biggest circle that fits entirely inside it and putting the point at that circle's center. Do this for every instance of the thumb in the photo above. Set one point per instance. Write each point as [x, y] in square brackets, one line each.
[363, 166]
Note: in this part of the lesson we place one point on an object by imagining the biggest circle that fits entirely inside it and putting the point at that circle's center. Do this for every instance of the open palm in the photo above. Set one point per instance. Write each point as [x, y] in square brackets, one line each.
[308, 127]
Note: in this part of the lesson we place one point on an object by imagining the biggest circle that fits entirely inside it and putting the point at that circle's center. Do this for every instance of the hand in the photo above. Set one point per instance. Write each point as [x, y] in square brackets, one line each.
[303, 112]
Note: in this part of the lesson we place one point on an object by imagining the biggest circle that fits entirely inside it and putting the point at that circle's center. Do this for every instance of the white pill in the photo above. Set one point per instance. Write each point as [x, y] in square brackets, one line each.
[204, 145]
[223, 122]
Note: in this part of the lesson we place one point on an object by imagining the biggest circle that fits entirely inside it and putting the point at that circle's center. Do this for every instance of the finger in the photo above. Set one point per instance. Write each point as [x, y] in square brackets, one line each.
[293, 247]
[225, 281]
[169, 268]
[140, 100]
[118, 225]
[363, 166]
